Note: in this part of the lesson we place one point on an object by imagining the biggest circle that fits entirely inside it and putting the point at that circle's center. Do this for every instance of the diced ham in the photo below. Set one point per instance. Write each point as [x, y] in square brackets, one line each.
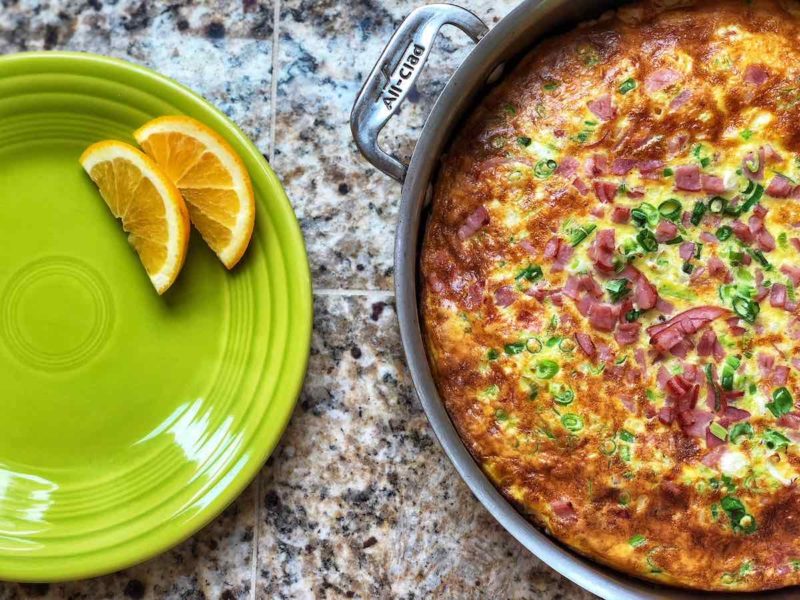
[777, 295]
[528, 246]
[765, 364]
[780, 375]
[661, 79]
[711, 459]
[604, 352]
[677, 386]
[687, 178]
[622, 166]
[686, 250]
[708, 238]
[765, 241]
[650, 166]
[602, 250]
[665, 336]
[621, 214]
[680, 100]
[585, 283]
[731, 414]
[666, 415]
[568, 167]
[771, 154]
[705, 347]
[792, 272]
[712, 184]
[666, 230]
[641, 358]
[753, 165]
[579, 185]
[505, 296]
[644, 293]
[713, 441]
[742, 231]
[603, 107]
[677, 143]
[790, 420]
[586, 344]
[563, 255]
[779, 187]
[572, 287]
[664, 306]
[595, 165]
[551, 248]
[474, 222]
[697, 274]
[756, 74]
[756, 223]
[719, 351]
[636, 192]
[605, 191]
[563, 510]
[795, 242]
[598, 211]
[694, 422]
[717, 269]
[603, 316]
[627, 333]
[584, 304]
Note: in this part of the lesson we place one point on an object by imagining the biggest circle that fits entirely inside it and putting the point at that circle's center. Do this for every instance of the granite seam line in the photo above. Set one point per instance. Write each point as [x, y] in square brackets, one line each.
[273, 92]
[343, 292]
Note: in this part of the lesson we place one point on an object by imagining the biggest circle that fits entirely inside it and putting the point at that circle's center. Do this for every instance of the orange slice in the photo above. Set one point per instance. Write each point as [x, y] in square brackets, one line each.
[212, 178]
[149, 205]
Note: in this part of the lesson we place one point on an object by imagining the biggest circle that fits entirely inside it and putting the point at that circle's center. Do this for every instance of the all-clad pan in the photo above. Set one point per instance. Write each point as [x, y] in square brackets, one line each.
[379, 100]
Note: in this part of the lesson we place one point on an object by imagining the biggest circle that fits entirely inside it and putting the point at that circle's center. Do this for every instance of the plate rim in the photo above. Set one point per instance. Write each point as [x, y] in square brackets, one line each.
[168, 534]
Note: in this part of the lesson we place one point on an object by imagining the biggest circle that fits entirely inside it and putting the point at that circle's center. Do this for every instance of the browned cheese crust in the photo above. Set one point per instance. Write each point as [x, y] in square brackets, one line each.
[632, 448]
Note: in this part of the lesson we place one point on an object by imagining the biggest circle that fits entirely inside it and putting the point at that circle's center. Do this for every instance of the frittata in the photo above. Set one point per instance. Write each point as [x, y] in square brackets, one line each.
[610, 290]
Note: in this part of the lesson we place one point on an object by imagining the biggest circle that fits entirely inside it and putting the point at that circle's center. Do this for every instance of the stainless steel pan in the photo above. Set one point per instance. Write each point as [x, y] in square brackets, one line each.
[383, 93]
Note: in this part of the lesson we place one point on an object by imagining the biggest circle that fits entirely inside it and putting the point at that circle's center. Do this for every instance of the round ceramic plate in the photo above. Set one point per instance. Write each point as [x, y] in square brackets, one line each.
[128, 420]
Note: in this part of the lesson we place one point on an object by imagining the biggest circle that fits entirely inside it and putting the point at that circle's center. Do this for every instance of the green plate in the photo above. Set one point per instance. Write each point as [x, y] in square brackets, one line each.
[129, 420]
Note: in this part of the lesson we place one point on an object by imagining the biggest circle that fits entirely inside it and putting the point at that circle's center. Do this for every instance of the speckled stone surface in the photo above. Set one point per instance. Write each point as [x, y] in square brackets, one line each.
[358, 500]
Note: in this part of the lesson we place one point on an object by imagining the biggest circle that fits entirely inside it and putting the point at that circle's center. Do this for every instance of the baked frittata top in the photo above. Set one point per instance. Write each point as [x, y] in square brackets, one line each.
[610, 290]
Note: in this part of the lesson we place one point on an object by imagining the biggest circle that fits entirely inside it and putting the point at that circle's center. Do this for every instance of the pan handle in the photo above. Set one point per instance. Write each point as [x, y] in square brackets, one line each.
[397, 69]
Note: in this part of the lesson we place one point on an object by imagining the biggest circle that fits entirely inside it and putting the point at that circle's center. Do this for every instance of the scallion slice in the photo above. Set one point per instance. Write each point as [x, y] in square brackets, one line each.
[670, 209]
[697, 213]
[746, 309]
[544, 168]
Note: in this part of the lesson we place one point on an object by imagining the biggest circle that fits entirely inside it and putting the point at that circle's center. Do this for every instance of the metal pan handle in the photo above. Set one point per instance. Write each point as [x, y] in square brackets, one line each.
[394, 74]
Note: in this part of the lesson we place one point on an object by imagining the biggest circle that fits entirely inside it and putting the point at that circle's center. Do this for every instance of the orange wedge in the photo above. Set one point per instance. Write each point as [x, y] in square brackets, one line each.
[149, 205]
[212, 178]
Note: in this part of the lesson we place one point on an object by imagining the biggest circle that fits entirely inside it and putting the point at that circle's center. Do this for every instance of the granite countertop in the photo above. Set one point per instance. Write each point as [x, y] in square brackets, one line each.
[358, 500]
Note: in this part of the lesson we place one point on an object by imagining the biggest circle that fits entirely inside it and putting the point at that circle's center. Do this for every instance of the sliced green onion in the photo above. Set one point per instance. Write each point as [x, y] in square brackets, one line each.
[718, 430]
[552, 341]
[676, 240]
[625, 453]
[561, 394]
[566, 345]
[627, 85]
[698, 249]
[727, 378]
[626, 436]
[581, 233]
[717, 204]
[758, 191]
[723, 233]
[533, 345]
[735, 257]
[687, 268]
[639, 217]
[759, 256]
[545, 168]
[524, 140]
[492, 354]
[608, 447]
[546, 369]
[530, 273]
[670, 209]
[775, 441]
[647, 240]
[617, 289]
[741, 430]
[514, 348]
[782, 402]
[746, 134]
[752, 164]
[571, 422]
[737, 514]
[632, 315]
[637, 540]
[668, 172]
[697, 213]
[747, 309]
[550, 86]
